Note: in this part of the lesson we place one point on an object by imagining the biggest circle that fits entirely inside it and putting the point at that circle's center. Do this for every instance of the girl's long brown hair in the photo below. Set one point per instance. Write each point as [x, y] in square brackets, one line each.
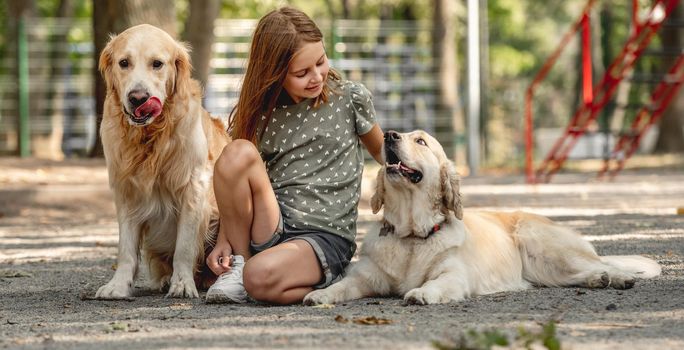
[277, 37]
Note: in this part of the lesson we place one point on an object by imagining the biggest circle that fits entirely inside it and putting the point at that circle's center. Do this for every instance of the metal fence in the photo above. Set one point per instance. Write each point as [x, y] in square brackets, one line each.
[392, 58]
[61, 102]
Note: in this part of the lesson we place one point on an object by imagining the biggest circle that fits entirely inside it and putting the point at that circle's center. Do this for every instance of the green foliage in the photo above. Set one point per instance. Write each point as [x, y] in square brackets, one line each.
[510, 62]
[83, 9]
[524, 33]
[474, 340]
[325, 10]
[248, 8]
[485, 340]
[48, 8]
[547, 337]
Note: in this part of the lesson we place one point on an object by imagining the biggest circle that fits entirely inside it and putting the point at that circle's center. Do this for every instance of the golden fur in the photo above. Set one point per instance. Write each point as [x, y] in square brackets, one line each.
[471, 254]
[160, 171]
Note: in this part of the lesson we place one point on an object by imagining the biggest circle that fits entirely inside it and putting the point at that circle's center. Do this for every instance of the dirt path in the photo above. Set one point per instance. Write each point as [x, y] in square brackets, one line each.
[58, 241]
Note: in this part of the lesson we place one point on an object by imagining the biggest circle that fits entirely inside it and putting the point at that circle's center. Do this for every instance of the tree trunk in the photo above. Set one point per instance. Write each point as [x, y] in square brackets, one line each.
[346, 13]
[199, 32]
[115, 16]
[56, 94]
[484, 77]
[17, 9]
[449, 119]
[671, 136]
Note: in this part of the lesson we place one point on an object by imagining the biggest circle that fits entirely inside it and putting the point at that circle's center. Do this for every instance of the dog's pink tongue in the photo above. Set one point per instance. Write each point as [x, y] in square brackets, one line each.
[152, 106]
[406, 169]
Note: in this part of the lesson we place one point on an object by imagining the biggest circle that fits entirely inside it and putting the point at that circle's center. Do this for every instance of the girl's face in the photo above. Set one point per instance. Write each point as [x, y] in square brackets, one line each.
[307, 73]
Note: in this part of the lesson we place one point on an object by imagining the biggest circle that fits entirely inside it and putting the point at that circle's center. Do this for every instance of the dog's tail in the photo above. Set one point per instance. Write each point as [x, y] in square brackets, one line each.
[635, 265]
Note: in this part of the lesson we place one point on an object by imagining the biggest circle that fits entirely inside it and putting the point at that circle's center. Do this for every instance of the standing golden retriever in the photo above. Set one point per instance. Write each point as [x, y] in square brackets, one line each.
[428, 251]
[160, 146]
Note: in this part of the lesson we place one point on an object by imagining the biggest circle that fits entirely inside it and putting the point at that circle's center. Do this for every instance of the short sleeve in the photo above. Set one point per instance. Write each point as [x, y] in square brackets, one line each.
[364, 112]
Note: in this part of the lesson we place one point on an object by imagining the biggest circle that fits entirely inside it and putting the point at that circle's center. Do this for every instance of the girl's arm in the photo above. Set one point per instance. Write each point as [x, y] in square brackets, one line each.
[373, 141]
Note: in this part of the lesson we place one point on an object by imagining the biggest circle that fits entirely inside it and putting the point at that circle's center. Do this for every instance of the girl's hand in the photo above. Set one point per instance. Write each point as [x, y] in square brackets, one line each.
[219, 258]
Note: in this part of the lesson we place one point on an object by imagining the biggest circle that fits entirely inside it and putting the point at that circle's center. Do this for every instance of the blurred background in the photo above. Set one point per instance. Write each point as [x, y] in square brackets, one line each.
[412, 55]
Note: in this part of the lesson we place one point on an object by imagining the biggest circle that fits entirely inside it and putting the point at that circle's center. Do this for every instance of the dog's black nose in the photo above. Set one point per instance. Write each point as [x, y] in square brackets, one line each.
[392, 136]
[137, 97]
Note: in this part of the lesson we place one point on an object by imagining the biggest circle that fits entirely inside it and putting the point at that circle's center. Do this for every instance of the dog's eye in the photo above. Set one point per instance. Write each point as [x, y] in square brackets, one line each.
[421, 142]
[123, 63]
[157, 64]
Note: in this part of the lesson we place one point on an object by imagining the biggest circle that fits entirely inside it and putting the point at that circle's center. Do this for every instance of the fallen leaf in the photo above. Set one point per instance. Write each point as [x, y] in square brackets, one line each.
[341, 319]
[371, 320]
[324, 306]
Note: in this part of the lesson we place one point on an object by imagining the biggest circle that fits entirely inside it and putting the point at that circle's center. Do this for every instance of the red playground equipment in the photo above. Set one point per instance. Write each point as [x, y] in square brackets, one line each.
[596, 98]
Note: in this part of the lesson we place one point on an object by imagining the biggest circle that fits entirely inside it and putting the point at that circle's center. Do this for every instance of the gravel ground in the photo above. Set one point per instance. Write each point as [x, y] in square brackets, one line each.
[58, 237]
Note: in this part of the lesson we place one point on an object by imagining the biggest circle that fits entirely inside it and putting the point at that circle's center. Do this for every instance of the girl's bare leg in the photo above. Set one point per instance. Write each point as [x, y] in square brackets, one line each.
[283, 274]
[249, 210]
[247, 205]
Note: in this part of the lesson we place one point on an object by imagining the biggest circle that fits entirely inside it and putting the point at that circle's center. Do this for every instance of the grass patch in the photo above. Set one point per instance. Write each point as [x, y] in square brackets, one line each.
[545, 337]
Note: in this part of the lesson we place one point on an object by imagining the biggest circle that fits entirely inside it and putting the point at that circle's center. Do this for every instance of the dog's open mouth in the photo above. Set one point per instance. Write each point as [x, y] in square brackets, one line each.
[140, 120]
[393, 165]
[151, 108]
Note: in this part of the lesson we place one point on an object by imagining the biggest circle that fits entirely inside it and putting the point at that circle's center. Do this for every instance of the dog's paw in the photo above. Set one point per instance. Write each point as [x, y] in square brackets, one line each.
[182, 287]
[115, 289]
[621, 281]
[318, 297]
[598, 280]
[424, 296]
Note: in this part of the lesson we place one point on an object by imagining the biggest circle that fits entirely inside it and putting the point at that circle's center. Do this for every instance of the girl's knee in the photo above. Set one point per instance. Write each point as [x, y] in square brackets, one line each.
[236, 158]
[260, 279]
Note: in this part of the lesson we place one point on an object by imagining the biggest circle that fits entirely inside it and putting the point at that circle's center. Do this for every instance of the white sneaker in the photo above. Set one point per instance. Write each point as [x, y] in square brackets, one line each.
[229, 287]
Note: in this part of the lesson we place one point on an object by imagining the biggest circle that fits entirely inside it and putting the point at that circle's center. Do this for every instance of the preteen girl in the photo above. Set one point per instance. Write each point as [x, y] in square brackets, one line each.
[288, 186]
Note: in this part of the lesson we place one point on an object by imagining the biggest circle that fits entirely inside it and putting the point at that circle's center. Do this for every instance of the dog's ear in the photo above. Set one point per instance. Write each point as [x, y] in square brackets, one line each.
[105, 63]
[183, 79]
[451, 193]
[378, 198]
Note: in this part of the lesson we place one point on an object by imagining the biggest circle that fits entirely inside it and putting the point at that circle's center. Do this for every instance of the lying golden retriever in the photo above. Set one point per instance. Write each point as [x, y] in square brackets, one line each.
[160, 146]
[428, 251]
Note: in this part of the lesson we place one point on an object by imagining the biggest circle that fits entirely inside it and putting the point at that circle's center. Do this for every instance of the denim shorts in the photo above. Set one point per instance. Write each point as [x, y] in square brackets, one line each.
[333, 252]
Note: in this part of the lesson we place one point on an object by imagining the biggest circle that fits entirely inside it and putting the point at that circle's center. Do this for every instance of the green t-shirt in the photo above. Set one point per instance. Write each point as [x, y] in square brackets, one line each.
[314, 160]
